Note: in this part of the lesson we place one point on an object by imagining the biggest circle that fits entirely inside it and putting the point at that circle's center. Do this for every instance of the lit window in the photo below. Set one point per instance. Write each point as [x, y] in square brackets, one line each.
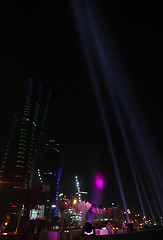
[21, 157]
[20, 166]
[20, 161]
[17, 187]
[34, 124]
[22, 153]
[23, 130]
[18, 176]
[21, 148]
[22, 144]
[22, 140]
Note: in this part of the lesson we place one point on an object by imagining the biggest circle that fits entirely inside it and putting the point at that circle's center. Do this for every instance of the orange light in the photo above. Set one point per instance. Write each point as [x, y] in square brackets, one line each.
[75, 201]
[17, 187]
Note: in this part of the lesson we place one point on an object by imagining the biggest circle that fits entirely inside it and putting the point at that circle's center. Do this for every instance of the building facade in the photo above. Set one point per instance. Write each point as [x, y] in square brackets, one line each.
[21, 149]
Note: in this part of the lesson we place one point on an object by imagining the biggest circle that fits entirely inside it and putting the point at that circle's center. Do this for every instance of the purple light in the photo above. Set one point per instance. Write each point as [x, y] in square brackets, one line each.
[99, 181]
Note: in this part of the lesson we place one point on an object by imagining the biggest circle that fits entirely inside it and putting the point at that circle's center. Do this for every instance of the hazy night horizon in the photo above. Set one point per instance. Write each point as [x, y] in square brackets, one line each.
[96, 70]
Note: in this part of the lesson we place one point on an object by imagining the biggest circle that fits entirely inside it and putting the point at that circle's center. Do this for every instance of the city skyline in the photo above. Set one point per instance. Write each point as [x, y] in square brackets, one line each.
[48, 44]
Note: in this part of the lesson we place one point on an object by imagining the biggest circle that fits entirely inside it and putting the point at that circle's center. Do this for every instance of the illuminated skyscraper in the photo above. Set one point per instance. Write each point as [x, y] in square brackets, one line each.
[21, 150]
[49, 171]
[24, 141]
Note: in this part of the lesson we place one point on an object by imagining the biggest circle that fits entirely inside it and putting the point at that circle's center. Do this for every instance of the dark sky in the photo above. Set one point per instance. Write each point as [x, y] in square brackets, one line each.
[42, 39]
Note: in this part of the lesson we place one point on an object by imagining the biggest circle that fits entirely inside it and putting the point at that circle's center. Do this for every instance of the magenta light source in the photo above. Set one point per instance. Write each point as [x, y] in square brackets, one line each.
[99, 181]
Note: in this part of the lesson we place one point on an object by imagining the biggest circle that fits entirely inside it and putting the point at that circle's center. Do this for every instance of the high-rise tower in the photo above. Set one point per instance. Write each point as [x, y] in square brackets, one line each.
[49, 173]
[22, 147]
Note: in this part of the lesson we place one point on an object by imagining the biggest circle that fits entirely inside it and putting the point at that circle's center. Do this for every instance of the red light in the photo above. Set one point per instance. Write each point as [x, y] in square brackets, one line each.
[14, 213]
[36, 150]
[13, 206]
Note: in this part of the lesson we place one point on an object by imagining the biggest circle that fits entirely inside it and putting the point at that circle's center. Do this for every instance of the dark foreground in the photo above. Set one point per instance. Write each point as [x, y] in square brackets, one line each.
[149, 235]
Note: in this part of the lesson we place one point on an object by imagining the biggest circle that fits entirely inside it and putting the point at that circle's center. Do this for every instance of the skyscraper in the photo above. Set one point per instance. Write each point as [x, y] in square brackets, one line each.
[49, 172]
[21, 150]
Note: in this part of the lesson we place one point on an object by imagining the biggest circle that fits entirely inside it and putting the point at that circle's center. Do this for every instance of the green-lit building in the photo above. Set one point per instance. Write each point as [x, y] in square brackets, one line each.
[22, 146]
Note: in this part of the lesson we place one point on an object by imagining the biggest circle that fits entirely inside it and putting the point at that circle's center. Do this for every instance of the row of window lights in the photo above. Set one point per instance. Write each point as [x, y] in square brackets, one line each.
[17, 187]
[35, 119]
[22, 157]
[20, 166]
[39, 175]
[18, 176]
[19, 161]
[36, 111]
[22, 140]
[49, 173]
[26, 110]
[22, 144]
[28, 100]
[23, 133]
[27, 105]
[21, 148]
[21, 153]
[23, 129]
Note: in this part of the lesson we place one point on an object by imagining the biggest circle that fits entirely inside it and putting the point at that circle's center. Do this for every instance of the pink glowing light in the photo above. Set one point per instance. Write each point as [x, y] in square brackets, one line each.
[99, 181]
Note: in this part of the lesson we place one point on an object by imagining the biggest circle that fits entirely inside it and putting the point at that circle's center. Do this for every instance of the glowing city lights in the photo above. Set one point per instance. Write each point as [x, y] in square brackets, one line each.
[78, 189]
[75, 201]
[99, 181]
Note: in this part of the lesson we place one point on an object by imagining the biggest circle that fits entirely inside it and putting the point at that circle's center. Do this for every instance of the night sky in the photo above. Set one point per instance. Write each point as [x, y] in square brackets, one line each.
[41, 39]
